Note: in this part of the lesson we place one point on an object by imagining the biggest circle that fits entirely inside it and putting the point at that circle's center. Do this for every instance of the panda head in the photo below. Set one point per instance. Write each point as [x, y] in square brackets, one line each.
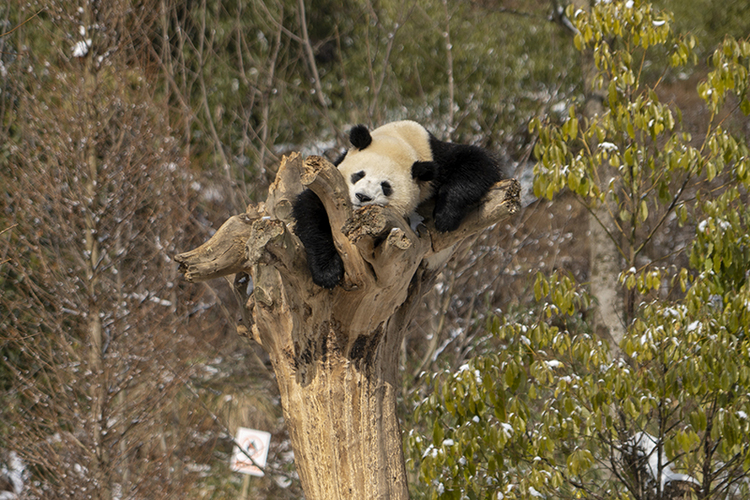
[378, 166]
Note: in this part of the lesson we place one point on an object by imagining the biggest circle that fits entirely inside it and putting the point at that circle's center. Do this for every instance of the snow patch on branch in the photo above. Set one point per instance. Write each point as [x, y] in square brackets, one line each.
[81, 48]
[645, 447]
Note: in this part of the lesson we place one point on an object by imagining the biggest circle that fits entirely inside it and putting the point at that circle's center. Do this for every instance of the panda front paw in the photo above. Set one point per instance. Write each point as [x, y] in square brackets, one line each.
[327, 272]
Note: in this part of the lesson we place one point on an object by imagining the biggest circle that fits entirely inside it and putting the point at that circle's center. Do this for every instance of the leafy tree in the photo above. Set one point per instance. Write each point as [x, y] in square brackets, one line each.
[707, 22]
[555, 412]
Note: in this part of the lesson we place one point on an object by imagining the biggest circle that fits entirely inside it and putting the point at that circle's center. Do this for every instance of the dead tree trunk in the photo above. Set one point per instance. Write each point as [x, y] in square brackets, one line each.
[335, 352]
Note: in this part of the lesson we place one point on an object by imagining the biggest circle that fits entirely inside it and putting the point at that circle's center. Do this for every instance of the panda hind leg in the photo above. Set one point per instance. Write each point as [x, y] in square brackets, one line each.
[314, 230]
[467, 173]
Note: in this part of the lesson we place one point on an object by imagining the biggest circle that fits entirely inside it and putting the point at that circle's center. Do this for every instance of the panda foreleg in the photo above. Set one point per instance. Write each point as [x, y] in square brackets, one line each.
[466, 175]
[314, 230]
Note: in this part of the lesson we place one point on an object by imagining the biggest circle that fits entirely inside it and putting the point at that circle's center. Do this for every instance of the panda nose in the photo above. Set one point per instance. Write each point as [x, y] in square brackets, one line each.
[363, 198]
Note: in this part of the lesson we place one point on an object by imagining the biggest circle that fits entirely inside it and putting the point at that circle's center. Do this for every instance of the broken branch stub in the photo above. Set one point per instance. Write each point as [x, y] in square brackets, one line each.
[335, 352]
[221, 255]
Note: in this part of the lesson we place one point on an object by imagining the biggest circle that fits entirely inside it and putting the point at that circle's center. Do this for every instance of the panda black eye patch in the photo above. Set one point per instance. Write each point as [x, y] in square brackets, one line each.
[387, 189]
[357, 176]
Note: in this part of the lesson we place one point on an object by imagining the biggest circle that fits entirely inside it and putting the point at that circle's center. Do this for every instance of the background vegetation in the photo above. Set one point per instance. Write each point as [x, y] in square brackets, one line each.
[129, 130]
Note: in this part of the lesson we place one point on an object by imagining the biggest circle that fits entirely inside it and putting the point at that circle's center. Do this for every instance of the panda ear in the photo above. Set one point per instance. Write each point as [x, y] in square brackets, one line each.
[424, 170]
[360, 137]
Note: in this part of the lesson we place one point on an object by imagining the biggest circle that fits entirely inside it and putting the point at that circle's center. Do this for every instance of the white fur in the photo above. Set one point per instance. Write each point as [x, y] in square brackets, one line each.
[394, 149]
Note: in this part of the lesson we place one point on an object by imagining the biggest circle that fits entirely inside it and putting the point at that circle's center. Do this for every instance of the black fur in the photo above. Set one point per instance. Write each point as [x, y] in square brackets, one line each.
[314, 230]
[360, 137]
[464, 175]
[340, 159]
[461, 175]
[357, 176]
[424, 171]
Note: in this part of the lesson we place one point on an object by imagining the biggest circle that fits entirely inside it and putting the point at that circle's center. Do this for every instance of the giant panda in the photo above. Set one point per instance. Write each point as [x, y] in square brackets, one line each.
[399, 164]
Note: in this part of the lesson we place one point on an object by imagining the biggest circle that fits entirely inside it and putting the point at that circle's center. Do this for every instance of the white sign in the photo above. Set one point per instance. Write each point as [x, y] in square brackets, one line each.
[254, 443]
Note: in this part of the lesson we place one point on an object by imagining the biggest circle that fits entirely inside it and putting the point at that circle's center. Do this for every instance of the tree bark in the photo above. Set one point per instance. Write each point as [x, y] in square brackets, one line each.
[335, 352]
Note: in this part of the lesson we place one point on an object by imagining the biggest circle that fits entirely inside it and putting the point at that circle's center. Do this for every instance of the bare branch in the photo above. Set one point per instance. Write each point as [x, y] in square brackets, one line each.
[23, 23]
[221, 255]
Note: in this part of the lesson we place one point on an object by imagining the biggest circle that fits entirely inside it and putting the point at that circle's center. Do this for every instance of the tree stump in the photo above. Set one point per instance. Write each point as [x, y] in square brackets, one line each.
[335, 352]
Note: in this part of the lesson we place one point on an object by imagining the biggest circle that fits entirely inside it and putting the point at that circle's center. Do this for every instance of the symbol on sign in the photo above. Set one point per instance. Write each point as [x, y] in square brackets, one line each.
[252, 447]
[254, 443]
